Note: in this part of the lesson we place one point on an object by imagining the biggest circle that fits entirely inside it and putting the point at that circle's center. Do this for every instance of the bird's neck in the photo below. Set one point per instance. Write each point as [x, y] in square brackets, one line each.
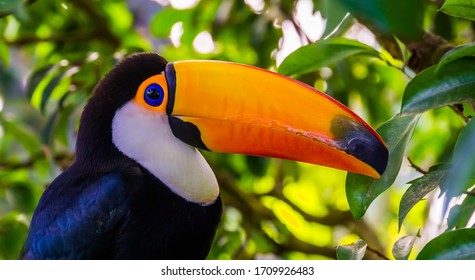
[94, 148]
[152, 144]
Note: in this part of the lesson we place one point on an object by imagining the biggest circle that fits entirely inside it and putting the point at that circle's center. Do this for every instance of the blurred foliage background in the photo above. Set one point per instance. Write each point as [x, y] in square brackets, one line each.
[403, 66]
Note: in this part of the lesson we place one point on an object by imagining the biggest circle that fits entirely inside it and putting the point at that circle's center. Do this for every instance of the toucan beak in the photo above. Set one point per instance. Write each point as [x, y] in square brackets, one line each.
[235, 108]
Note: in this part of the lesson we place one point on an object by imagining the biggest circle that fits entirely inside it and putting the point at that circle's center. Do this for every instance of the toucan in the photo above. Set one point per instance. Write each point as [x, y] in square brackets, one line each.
[140, 189]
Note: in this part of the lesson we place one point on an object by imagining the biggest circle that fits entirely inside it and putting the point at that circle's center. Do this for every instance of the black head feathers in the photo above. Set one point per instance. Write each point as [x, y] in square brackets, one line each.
[113, 91]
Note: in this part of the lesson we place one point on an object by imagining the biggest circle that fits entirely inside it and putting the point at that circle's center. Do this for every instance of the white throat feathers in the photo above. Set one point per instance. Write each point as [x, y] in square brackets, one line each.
[146, 137]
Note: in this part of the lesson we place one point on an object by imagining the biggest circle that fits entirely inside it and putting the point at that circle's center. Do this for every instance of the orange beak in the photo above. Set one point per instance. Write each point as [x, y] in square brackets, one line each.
[234, 108]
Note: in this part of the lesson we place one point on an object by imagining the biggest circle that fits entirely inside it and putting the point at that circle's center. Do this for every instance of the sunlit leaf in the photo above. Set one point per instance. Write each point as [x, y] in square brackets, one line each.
[4, 54]
[469, 109]
[459, 8]
[362, 190]
[454, 83]
[452, 245]
[403, 247]
[386, 17]
[354, 251]
[13, 230]
[419, 188]
[322, 53]
[456, 53]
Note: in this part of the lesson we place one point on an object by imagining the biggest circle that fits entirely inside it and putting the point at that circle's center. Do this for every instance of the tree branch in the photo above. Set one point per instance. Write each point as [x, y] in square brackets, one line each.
[252, 208]
[64, 159]
[416, 167]
[376, 252]
[427, 51]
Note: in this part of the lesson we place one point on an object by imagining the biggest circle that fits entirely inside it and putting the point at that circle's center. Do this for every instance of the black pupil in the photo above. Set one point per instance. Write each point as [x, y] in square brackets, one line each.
[153, 93]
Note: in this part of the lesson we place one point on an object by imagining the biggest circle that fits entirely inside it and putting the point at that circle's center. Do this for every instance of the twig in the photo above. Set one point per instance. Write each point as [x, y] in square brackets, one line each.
[376, 252]
[470, 193]
[458, 109]
[30, 162]
[252, 208]
[416, 167]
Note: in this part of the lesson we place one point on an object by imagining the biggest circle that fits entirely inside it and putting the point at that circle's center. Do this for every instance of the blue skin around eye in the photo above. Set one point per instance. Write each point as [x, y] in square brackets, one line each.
[154, 102]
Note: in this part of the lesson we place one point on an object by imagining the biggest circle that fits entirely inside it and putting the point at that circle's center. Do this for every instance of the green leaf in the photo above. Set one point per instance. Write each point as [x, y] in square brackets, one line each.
[403, 247]
[36, 77]
[28, 139]
[4, 54]
[452, 245]
[8, 7]
[460, 215]
[460, 175]
[354, 251]
[469, 109]
[47, 133]
[336, 16]
[454, 83]
[64, 127]
[459, 8]
[386, 16]
[50, 88]
[13, 231]
[362, 190]
[21, 194]
[163, 21]
[419, 188]
[322, 53]
[456, 53]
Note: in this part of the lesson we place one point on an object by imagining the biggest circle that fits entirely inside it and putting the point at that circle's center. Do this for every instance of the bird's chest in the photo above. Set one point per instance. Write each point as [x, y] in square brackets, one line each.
[162, 225]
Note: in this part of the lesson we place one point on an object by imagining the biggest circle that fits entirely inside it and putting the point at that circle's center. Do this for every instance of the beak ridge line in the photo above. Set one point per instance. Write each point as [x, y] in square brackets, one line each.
[170, 75]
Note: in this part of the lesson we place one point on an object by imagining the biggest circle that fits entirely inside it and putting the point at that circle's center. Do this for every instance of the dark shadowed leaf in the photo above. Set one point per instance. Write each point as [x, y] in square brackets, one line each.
[403, 247]
[8, 7]
[36, 77]
[454, 83]
[336, 16]
[419, 188]
[354, 251]
[322, 53]
[50, 88]
[362, 190]
[456, 53]
[462, 172]
[386, 17]
[47, 133]
[64, 127]
[460, 215]
[452, 245]
[459, 8]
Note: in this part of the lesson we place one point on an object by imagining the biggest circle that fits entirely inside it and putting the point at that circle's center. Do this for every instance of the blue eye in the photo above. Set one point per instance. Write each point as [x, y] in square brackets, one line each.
[153, 95]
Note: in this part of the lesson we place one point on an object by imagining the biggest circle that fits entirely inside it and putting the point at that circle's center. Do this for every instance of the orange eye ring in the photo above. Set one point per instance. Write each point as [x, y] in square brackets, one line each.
[152, 94]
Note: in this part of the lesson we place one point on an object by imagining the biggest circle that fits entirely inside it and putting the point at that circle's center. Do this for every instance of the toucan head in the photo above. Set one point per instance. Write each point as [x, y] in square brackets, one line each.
[156, 113]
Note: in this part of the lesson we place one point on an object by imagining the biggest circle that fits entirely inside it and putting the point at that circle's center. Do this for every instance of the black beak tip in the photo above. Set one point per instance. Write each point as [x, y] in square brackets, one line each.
[369, 149]
[356, 140]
